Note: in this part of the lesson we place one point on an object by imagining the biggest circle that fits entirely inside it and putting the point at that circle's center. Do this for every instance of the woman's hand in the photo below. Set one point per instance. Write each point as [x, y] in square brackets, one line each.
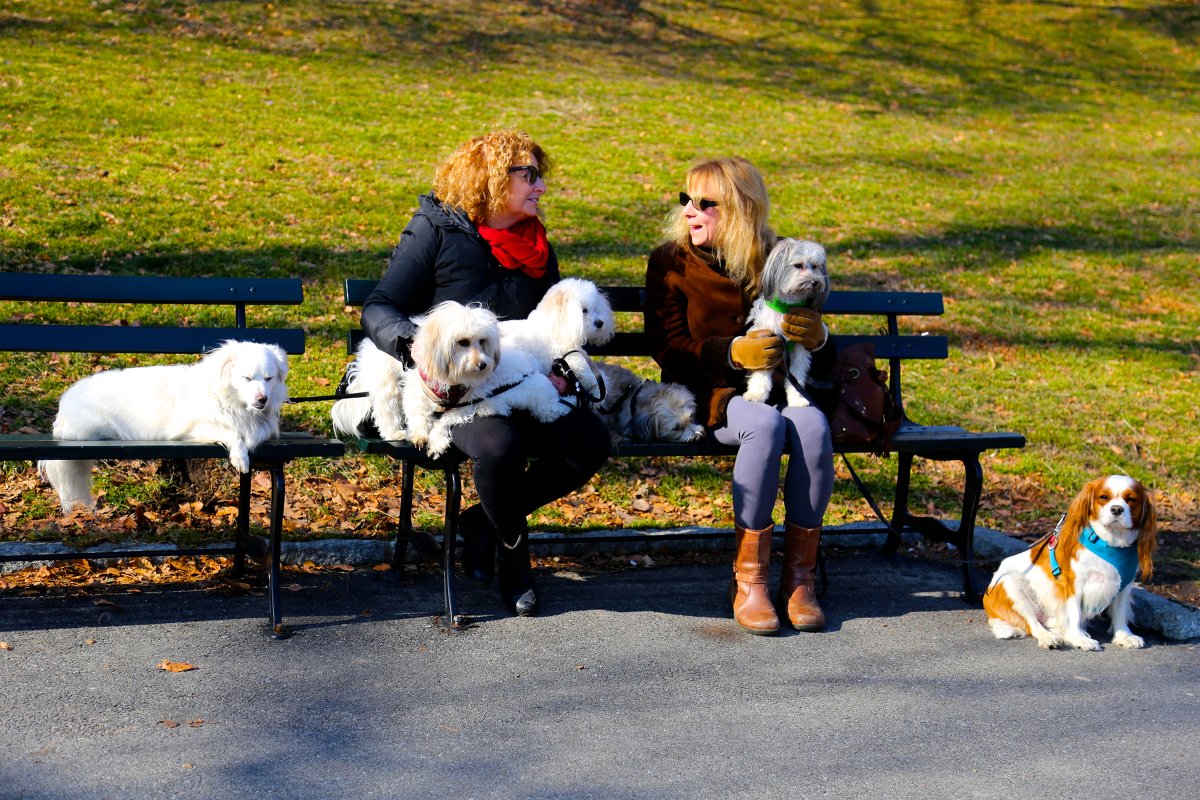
[804, 327]
[756, 350]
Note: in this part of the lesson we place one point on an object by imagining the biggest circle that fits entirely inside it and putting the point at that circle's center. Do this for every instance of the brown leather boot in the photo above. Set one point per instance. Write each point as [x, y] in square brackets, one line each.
[752, 608]
[797, 592]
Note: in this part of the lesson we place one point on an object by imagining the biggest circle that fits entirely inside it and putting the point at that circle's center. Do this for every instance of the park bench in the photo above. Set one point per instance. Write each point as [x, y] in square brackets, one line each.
[107, 295]
[911, 440]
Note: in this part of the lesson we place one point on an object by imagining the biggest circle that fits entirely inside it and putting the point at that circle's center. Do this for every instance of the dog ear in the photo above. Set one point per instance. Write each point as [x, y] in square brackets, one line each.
[222, 359]
[1079, 513]
[781, 254]
[565, 313]
[279, 355]
[1147, 534]
[644, 429]
[438, 347]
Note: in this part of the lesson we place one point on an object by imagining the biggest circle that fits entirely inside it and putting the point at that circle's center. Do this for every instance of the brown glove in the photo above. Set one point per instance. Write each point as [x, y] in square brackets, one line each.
[804, 327]
[756, 350]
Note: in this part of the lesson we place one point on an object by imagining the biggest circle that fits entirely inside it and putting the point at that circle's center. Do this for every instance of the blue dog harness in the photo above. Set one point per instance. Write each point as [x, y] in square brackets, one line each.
[1123, 559]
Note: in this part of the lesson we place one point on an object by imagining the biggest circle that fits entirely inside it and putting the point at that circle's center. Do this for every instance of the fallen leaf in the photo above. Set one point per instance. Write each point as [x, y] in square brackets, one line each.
[293, 587]
[195, 723]
[175, 666]
[89, 641]
[168, 723]
[5, 646]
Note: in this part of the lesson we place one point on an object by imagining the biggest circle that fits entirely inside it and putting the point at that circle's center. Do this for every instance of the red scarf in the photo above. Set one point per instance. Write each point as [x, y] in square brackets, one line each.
[523, 246]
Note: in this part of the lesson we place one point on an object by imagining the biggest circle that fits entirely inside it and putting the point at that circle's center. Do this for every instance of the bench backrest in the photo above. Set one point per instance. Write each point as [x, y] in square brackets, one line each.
[237, 293]
[889, 343]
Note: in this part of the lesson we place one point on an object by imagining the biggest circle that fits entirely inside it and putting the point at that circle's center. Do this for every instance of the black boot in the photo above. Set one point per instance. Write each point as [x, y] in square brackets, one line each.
[516, 576]
[478, 557]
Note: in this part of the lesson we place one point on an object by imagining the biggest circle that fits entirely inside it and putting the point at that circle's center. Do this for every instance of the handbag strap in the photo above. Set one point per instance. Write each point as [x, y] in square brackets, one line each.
[866, 493]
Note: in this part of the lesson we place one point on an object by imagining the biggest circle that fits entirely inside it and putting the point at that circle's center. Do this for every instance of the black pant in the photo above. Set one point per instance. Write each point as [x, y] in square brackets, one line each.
[521, 464]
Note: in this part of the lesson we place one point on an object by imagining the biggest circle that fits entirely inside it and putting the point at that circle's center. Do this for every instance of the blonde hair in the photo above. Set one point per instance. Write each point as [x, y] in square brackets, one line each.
[475, 176]
[742, 238]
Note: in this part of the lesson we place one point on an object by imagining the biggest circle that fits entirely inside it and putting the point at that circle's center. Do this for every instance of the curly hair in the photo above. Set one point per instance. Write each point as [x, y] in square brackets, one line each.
[475, 176]
[742, 238]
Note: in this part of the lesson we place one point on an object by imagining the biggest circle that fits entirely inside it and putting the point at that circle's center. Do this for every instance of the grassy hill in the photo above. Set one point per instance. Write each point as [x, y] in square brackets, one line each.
[1035, 162]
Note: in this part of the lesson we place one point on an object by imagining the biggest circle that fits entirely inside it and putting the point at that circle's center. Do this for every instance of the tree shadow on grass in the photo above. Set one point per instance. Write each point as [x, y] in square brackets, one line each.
[871, 55]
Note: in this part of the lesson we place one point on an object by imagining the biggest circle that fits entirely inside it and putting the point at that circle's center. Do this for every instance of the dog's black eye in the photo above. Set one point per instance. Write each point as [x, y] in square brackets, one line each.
[1105, 497]
[268, 379]
[464, 342]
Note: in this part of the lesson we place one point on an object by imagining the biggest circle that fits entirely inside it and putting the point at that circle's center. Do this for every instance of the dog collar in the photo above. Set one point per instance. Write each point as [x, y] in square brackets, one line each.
[1123, 559]
[443, 394]
[775, 304]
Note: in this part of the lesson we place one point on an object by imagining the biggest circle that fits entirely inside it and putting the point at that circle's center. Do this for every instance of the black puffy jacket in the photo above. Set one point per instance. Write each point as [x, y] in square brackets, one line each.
[440, 257]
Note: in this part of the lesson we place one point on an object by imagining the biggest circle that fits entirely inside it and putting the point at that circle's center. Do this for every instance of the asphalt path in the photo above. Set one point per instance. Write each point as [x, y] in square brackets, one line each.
[631, 684]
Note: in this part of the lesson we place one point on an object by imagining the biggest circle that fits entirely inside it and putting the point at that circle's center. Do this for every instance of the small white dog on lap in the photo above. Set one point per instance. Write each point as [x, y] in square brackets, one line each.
[458, 374]
[573, 314]
[794, 276]
[233, 396]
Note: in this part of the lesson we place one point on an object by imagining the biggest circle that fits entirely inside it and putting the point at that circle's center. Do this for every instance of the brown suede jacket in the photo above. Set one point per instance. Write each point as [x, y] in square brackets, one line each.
[693, 312]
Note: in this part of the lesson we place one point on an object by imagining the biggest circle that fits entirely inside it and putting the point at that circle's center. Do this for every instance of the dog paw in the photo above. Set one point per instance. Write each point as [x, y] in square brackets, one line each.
[1081, 641]
[240, 461]
[1047, 640]
[1128, 640]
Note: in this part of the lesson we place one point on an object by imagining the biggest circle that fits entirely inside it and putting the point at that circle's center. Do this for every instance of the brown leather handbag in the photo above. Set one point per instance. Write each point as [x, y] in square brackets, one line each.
[865, 412]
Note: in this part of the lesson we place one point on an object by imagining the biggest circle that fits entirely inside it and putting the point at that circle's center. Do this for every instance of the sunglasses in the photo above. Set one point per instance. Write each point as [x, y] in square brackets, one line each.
[700, 203]
[532, 173]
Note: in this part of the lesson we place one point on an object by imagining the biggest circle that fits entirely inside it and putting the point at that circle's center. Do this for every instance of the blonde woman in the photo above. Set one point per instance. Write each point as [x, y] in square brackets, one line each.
[700, 284]
[478, 237]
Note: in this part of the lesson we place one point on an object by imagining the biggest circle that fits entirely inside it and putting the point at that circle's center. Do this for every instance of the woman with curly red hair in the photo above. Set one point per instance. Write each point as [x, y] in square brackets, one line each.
[478, 237]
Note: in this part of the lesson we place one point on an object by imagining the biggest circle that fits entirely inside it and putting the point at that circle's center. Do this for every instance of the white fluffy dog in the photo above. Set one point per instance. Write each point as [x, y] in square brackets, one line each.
[641, 410]
[572, 314]
[232, 396]
[381, 376]
[458, 374]
[793, 277]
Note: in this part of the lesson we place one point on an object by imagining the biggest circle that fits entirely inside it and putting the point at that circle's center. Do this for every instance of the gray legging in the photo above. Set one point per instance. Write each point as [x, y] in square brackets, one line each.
[763, 434]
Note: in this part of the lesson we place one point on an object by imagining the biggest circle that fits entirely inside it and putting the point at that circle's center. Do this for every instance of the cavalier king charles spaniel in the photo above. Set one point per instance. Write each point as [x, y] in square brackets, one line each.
[1087, 566]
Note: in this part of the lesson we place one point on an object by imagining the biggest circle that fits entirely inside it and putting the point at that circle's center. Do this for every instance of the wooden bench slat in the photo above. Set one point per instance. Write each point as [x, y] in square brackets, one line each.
[632, 298]
[149, 289]
[138, 339]
[38, 447]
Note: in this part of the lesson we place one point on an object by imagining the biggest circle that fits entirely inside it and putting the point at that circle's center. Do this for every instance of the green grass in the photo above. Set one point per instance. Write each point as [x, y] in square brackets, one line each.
[1037, 163]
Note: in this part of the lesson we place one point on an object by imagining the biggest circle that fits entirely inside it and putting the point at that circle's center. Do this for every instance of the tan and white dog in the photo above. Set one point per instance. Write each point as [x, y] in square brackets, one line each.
[233, 396]
[1105, 540]
[641, 410]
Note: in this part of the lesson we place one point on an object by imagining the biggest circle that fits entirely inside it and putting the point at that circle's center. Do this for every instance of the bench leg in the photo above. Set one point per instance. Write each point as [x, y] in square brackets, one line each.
[972, 491]
[964, 537]
[243, 526]
[450, 615]
[278, 630]
[404, 528]
[900, 515]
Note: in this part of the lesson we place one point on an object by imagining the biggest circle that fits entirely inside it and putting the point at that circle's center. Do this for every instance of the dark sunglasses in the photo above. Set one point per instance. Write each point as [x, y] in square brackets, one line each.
[701, 203]
[532, 173]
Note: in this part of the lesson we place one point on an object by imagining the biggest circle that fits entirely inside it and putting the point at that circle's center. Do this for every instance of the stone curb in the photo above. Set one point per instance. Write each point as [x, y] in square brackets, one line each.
[1169, 619]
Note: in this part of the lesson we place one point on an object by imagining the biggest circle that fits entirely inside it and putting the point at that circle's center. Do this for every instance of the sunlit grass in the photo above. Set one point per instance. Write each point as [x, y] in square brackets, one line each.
[1034, 162]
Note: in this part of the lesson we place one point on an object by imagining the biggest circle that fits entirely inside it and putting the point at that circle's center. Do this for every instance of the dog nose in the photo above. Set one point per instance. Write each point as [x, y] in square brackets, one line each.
[599, 323]
[1117, 510]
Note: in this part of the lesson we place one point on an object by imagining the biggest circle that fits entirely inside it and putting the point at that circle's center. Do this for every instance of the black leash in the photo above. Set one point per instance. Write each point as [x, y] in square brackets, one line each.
[326, 397]
[866, 493]
[562, 369]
